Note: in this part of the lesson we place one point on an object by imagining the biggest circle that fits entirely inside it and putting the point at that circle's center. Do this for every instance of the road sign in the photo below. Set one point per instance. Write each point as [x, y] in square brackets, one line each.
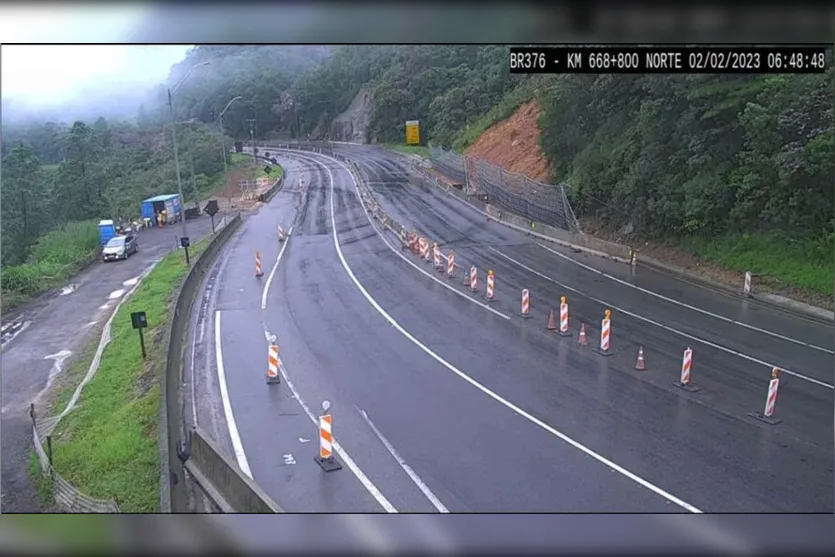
[413, 132]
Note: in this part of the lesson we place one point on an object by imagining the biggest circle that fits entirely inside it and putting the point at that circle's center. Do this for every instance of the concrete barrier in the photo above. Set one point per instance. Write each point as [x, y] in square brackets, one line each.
[172, 493]
[231, 489]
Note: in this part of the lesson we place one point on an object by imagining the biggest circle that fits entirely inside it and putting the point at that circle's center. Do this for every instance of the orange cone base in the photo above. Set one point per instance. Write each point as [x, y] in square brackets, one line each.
[473, 289]
[452, 276]
[602, 352]
[689, 387]
[493, 299]
[564, 334]
[328, 464]
[259, 275]
[764, 419]
[525, 315]
[273, 380]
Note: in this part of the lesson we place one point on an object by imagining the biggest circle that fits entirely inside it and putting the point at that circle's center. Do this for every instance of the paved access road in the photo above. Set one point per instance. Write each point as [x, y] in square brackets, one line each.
[56, 328]
[443, 402]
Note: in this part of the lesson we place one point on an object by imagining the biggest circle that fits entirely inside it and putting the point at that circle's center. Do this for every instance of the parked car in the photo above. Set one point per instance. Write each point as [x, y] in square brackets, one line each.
[119, 247]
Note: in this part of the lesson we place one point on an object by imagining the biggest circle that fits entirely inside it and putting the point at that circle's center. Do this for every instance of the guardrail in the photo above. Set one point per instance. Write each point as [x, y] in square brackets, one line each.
[172, 493]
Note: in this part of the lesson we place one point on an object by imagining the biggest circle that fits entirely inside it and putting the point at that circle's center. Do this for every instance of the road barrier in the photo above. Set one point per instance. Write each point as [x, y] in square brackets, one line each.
[605, 326]
[273, 377]
[258, 272]
[173, 496]
[473, 279]
[564, 317]
[450, 264]
[491, 285]
[526, 303]
[281, 235]
[325, 458]
[221, 478]
[436, 253]
[686, 364]
[771, 400]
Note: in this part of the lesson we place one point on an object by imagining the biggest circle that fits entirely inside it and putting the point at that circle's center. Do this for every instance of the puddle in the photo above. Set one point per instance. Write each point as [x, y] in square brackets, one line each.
[131, 282]
[116, 294]
[68, 289]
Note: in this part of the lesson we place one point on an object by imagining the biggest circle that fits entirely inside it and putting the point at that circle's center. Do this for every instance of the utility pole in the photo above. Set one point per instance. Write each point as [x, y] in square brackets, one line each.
[223, 148]
[251, 122]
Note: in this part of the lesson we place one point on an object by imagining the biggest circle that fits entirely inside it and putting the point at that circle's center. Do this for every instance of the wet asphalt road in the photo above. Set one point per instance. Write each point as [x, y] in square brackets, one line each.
[61, 324]
[467, 449]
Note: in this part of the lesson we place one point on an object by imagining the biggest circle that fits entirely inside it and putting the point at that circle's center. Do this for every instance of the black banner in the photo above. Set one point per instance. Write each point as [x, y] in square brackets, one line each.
[671, 59]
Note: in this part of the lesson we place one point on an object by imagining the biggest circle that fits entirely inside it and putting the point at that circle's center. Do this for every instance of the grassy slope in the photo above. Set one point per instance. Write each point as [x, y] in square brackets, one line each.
[419, 150]
[108, 445]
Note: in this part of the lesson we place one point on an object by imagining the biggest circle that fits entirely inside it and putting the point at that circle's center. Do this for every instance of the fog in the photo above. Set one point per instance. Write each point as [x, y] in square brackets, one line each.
[70, 82]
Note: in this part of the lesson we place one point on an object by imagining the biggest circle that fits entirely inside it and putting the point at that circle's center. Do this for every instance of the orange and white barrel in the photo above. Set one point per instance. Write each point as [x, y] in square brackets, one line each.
[491, 284]
[450, 264]
[686, 364]
[473, 278]
[280, 233]
[272, 363]
[258, 271]
[436, 256]
[526, 302]
[325, 436]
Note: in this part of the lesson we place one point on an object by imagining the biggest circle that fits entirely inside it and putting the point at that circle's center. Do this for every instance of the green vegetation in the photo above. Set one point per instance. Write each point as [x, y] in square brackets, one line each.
[419, 150]
[73, 533]
[53, 258]
[108, 445]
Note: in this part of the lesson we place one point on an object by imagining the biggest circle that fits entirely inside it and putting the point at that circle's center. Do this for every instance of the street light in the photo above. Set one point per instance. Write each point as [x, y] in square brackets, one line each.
[176, 155]
[223, 145]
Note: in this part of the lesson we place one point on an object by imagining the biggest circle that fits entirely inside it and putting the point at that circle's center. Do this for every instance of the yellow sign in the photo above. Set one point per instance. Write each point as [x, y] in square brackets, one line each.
[413, 132]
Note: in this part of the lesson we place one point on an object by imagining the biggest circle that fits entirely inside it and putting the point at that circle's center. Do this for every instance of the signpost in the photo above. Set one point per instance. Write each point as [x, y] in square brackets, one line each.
[211, 209]
[413, 132]
[139, 322]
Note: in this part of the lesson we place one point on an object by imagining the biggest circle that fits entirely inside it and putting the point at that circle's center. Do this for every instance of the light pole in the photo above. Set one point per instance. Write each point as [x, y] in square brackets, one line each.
[223, 146]
[176, 155]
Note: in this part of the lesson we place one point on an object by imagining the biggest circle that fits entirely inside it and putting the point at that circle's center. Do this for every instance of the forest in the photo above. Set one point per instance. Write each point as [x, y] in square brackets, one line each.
[727, 159]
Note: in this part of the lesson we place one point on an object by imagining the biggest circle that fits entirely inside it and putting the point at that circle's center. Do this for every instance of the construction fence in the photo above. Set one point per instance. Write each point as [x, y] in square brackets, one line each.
[515, 193]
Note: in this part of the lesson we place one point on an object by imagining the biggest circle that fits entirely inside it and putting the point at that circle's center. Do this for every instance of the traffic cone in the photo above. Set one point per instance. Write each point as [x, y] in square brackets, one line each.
[552, 321]
[582, 339]
[640, 365]
[466, 281]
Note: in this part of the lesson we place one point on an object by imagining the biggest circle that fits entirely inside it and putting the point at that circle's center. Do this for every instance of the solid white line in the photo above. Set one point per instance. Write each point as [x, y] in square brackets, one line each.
[406, 468]
[192, 381]
[665, 327]
[688, 306]
[600, 458]
[407, 260]
[349, 462]
[274, 269]
[237, 446]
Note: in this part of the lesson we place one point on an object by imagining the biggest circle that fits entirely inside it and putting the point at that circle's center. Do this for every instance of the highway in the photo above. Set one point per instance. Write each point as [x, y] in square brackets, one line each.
[443, 402]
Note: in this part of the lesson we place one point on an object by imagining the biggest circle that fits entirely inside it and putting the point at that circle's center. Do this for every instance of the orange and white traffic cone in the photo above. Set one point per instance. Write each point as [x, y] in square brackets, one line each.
[770, 401]
[272, 363]
[450, 264]
[473, 279]
[491, 285]
[582, 338]
[640, 365]
[686, 363]
[258, 272]
[605, 331]
[526, 303]
[564, 318]
[427, 257]
[552, 321]
[325, 457]
[436, 255]
[281, 235]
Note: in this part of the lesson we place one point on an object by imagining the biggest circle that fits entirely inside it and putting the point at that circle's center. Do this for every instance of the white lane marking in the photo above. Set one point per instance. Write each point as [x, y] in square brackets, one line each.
[617, 468]
[349, 462]
[407, 260]
[274, 269]
[406, 468]
[104, 307]
[116, 294]
[238, 447]
[130, 282]
[684, 305]
[665, 327]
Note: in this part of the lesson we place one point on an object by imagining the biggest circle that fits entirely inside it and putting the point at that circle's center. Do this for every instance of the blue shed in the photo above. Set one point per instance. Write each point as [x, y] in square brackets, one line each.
[170, 203]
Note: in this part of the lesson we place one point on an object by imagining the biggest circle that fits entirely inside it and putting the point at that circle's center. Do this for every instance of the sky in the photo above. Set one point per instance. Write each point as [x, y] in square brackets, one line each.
[42, 75]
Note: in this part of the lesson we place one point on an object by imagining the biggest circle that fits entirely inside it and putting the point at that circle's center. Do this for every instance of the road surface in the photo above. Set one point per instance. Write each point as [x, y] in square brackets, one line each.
[444, 402]
[56, 327]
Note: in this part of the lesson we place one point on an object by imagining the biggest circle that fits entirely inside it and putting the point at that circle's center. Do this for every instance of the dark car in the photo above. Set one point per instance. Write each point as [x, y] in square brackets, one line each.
[119, 247]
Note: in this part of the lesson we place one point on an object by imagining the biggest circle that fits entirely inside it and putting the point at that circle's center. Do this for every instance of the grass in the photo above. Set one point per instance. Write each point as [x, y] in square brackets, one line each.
[108, 445]
[76, 533]
[806, 265]
[419, 150]
[56, 257]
